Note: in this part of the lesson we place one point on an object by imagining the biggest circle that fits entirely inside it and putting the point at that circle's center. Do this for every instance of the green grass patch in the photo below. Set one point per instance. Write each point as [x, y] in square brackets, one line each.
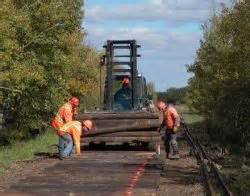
[20, 151]
[189, 116]
[236, 177]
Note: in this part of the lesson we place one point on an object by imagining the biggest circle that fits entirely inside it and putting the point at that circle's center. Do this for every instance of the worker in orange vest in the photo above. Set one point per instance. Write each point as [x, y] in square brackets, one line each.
[73, 129]
[65, 113]
[171, 122]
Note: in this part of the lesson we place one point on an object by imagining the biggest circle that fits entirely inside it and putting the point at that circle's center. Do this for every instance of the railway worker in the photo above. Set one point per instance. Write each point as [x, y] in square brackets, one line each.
[72, 131]
[123, 97]
[171, 121]
[64, 115]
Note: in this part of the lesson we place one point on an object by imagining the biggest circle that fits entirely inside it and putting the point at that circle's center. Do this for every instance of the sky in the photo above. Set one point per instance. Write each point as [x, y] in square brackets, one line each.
[169, 32]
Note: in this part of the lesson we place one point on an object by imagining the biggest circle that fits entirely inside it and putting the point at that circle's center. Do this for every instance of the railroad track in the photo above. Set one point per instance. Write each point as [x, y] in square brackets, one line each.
[214, 182]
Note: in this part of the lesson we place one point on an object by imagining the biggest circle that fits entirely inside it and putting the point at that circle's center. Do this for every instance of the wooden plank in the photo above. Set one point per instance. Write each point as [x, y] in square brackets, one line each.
[131, 134]
[135, 127]
[128, 115]
[120, 139]
[99, 124]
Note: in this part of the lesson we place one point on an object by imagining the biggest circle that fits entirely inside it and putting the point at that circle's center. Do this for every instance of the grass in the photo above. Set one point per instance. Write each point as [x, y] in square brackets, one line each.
[189, 116]
[21, 151]
[236, 176]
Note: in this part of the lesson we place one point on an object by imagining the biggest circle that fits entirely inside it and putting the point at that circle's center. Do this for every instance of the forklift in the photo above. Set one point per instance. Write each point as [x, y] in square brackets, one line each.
[113, 123]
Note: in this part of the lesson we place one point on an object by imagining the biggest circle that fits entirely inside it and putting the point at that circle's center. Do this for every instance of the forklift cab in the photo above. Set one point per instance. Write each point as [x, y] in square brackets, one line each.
[121, 62]
[122, 93]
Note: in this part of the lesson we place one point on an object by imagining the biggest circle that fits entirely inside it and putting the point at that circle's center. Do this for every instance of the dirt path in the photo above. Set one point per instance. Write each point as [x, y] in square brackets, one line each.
[181, 177]
[106, 173]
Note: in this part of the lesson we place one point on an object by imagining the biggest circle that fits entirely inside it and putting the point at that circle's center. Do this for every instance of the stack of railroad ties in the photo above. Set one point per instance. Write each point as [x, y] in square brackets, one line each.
[119, 127]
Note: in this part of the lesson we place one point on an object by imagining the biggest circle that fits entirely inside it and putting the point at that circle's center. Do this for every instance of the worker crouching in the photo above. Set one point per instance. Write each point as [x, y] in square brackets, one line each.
[171, 121]
[70, 134]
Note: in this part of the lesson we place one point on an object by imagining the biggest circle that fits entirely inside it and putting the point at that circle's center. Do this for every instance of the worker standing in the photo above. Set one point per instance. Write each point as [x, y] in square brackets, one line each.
[75, 130]
[65, 115]
[171, 121]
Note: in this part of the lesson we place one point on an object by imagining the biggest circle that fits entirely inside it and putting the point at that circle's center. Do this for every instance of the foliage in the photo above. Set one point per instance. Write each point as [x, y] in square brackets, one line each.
[173, 95]
[220, 87]
[43, 55]
[151, 92]
[20, 151]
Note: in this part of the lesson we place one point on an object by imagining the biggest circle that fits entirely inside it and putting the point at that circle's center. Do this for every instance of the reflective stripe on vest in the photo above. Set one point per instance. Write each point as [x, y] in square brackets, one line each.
[73, 124]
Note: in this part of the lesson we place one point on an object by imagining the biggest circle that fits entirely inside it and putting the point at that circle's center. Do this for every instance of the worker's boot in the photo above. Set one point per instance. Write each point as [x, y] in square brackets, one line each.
[174, 150]
[168, 150]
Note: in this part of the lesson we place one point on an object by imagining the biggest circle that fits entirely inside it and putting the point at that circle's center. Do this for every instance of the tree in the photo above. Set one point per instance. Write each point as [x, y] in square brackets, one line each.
[221, 83]
[173, 95]
[43, 55]
[151, 91]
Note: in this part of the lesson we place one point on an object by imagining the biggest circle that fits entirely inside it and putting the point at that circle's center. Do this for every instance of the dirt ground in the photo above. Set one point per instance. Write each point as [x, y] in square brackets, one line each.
[181, 177]
[108, 172]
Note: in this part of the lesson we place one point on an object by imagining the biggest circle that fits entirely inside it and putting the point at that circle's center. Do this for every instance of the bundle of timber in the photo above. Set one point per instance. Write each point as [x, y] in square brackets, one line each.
[117, 115]
[122, 126]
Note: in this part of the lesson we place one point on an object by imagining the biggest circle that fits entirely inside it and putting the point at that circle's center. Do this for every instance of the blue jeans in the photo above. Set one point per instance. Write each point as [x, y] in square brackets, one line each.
[65, 145]
[171, 145]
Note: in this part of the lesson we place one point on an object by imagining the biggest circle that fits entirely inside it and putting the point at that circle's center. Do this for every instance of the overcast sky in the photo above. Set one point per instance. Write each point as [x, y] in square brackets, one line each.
[168, 31]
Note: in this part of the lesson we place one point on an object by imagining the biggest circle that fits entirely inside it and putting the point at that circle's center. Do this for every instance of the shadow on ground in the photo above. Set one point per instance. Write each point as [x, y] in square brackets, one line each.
[97, 147]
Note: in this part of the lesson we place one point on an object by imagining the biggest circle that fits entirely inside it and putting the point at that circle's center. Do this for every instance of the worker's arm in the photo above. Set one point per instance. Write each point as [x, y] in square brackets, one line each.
[176, 119]
[77, 141]
[161, 126]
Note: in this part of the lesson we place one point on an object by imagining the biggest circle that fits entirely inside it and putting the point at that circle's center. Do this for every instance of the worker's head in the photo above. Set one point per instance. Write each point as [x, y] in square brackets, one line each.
[161, 105]
[87, 125]
[74, 101]
[125, 81]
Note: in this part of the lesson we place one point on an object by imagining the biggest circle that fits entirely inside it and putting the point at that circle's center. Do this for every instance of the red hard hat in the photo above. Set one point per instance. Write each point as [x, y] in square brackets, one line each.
[88, 124]
[125, 81]
[161, 105]
[74, 101]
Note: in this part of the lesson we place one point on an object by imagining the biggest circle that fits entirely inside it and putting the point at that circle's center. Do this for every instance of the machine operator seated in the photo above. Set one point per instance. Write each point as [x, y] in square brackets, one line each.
[123, 97]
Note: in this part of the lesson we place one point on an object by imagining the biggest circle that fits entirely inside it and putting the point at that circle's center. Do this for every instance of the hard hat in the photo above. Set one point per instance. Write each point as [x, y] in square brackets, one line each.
[161, 105]
[74, 101]
[125, 81]
[88, 124]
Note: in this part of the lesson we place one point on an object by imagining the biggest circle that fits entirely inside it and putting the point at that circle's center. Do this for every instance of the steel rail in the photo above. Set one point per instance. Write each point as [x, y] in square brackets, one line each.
[206, 161]
[226, 191]
[198, 155]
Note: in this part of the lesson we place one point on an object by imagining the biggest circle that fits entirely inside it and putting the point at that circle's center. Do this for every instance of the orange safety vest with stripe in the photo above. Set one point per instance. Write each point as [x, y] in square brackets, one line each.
[74, 128]
[171, 117]
[64, 115]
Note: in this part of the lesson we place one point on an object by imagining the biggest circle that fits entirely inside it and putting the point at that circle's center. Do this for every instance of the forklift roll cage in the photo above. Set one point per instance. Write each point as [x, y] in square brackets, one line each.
[110, 60]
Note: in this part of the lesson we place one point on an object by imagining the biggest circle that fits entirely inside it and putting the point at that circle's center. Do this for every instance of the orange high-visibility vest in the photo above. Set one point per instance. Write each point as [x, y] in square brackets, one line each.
[64, 115]
[171, 117]
[74, 128]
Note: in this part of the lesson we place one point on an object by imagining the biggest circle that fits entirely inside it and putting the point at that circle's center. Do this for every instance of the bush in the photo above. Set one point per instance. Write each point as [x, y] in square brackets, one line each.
[43, 56]
[220, 86]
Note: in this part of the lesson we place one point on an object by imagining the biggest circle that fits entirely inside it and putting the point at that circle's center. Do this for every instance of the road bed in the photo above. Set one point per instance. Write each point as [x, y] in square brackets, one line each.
[107, 172]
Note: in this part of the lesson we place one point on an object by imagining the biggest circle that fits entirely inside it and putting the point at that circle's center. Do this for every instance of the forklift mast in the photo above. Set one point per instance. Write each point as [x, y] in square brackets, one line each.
[113, 61]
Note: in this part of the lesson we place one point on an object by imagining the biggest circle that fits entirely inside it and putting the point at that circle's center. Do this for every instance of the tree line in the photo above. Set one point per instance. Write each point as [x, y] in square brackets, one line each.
[43, 55]
[173, 95]
[220, 87]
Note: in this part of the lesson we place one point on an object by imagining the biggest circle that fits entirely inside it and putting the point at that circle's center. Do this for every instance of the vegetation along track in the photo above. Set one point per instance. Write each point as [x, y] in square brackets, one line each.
[213, 180]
